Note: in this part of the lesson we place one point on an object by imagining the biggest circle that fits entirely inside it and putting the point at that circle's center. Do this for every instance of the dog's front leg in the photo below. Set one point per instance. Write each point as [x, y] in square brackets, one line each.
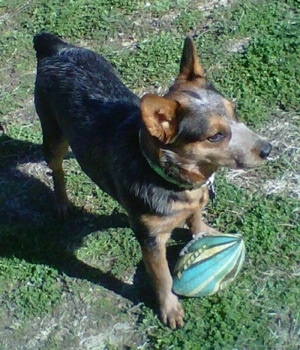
[154, 255]
[197, 225]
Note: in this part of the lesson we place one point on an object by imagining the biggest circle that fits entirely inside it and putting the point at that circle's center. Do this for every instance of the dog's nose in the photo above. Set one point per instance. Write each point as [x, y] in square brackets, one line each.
[265, 151]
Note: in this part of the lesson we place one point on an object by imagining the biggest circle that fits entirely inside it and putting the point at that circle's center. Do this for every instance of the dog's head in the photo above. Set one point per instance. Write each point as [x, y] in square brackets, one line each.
[195, 128]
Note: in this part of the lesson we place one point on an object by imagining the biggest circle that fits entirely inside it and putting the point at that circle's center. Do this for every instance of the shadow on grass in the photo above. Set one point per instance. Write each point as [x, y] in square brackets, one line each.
[29, 230]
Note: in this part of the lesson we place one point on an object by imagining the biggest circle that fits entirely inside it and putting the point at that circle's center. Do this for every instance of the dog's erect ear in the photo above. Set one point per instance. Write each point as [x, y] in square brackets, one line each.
[190, 67]
[159, 115]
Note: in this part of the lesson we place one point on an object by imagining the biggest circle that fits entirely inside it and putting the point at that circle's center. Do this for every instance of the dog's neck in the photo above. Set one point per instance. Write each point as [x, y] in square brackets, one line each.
[162, 165]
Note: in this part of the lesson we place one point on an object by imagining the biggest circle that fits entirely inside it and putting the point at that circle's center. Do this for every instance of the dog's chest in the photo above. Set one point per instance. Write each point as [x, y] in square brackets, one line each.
[191, 201]
[180, 212]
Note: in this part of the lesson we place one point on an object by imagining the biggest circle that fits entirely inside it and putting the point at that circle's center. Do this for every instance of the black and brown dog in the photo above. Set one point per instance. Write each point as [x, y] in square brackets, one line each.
[154, 155]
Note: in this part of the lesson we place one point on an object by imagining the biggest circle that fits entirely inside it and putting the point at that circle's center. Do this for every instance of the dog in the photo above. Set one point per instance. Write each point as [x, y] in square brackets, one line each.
[155, 155]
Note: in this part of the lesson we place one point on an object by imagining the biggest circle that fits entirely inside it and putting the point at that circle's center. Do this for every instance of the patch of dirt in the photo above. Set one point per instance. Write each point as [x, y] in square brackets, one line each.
[208, 5]
[25, 115]
[38, 170]
[238, 45]
[80, 322]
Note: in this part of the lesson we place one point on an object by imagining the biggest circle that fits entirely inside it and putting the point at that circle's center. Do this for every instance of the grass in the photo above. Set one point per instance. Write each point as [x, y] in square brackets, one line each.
[81, 284]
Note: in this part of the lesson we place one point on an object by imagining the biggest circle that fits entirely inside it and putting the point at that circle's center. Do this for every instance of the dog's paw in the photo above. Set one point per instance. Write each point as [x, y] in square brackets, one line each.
[62, 211]
[172, 313]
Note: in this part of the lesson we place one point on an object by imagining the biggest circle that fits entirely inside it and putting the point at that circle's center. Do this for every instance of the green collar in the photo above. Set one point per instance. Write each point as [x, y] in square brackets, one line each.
[160, 171]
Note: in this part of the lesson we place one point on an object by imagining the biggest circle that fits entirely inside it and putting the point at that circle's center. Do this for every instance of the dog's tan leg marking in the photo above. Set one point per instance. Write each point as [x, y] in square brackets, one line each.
[196, 224]
[195, 221]
[171, 312]
[54, 155]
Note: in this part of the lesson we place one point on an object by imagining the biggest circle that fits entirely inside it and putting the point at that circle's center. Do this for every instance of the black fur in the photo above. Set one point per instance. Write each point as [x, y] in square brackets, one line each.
[82, 86]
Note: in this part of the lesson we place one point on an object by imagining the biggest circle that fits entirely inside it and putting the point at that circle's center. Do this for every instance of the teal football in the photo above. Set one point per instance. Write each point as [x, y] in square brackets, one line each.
[208, 264]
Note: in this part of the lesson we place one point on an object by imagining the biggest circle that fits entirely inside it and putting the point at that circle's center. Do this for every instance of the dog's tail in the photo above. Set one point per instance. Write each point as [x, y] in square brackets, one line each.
[47, 45]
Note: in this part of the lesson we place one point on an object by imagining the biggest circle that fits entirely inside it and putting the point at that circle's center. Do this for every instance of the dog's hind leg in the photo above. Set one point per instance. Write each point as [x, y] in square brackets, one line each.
[55, 147]
[54, 151]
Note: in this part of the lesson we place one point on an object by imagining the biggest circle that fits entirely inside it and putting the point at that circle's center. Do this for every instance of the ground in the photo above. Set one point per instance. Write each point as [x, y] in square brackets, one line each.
[81, 284]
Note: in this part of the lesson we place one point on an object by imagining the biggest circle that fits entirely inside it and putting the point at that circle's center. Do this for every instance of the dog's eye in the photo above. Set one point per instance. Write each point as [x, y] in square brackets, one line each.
[216, 137]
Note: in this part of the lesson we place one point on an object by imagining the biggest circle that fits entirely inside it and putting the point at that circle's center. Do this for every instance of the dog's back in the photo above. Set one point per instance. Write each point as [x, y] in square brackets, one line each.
[77, 70]
[80, 101]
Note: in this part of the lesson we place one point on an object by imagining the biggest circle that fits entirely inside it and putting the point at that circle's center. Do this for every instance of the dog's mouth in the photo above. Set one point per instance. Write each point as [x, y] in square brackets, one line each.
[250, 165]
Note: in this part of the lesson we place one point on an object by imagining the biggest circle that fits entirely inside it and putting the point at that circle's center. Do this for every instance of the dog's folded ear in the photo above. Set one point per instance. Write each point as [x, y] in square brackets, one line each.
[190, 67]
[160, 116]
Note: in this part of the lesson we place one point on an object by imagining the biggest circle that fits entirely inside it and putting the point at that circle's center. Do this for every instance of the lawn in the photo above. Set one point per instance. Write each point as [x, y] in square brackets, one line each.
[80, 284]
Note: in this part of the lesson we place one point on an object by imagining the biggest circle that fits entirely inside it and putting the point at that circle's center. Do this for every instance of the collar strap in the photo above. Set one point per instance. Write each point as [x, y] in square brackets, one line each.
[160, 171]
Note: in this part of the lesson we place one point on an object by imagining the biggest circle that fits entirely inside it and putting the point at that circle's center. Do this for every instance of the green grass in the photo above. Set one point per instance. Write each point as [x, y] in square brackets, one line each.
[79, 274]
[34, 289]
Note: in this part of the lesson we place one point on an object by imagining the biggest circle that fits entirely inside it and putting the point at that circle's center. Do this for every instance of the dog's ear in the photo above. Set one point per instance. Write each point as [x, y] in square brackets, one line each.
[190, 67]
[160, 116]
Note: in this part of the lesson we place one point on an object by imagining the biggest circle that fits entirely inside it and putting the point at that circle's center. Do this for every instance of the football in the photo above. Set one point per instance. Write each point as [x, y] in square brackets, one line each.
[208, 264]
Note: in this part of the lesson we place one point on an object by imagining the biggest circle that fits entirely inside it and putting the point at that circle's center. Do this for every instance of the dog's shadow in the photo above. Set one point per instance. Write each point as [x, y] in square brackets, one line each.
[29, 230]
